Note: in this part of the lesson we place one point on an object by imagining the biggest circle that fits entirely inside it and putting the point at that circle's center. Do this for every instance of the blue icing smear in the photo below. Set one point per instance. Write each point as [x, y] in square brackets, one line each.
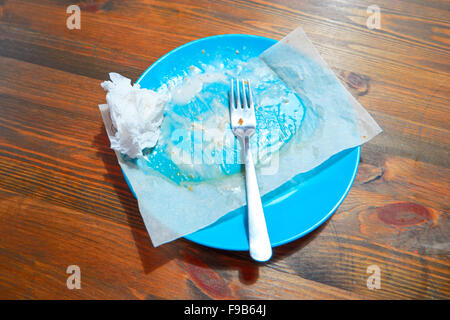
[196, 142]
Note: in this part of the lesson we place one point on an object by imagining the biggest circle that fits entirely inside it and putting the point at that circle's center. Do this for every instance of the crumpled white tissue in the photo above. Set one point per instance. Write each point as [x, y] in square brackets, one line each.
[136, 114]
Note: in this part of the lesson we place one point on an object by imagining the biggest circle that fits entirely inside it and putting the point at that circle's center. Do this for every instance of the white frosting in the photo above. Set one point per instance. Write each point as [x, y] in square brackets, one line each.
[184, 89]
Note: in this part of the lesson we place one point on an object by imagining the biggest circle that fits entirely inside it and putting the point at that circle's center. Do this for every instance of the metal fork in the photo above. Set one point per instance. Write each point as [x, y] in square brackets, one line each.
[243, 124]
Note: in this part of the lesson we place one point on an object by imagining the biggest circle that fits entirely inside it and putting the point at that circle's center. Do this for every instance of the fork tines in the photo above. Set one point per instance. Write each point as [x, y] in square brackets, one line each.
[236, 101]
[242, 111]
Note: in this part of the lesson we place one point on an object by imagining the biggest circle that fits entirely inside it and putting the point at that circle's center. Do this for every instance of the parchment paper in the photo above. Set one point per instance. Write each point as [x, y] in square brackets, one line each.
[332, 121]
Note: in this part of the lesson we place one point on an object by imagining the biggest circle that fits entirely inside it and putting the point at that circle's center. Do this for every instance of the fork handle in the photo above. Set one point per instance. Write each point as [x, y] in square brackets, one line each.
[260, 247]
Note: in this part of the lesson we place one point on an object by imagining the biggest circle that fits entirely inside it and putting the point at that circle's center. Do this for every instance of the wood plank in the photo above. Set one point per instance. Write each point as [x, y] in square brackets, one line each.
[358, 50]
[40, 241]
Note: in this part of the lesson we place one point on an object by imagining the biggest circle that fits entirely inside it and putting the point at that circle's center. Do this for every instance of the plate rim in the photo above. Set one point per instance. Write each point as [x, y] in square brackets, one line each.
[160, 59]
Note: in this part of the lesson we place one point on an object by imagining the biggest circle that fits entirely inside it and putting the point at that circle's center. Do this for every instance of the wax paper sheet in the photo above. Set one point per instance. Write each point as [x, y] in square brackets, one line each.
[194, 176]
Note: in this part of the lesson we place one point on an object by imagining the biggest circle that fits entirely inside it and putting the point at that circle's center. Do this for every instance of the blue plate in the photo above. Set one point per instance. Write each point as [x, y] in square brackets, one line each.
[307, 201]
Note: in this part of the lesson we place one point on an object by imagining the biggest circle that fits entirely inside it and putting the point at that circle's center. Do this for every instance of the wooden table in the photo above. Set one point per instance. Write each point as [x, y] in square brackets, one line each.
[64, 201]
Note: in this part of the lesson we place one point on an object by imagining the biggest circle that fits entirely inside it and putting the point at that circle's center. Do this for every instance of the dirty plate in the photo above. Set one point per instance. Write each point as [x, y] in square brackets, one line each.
[314, 195]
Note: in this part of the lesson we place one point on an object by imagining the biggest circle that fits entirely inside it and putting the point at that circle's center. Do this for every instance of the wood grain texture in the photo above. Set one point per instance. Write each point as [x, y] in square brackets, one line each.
[64, 201]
